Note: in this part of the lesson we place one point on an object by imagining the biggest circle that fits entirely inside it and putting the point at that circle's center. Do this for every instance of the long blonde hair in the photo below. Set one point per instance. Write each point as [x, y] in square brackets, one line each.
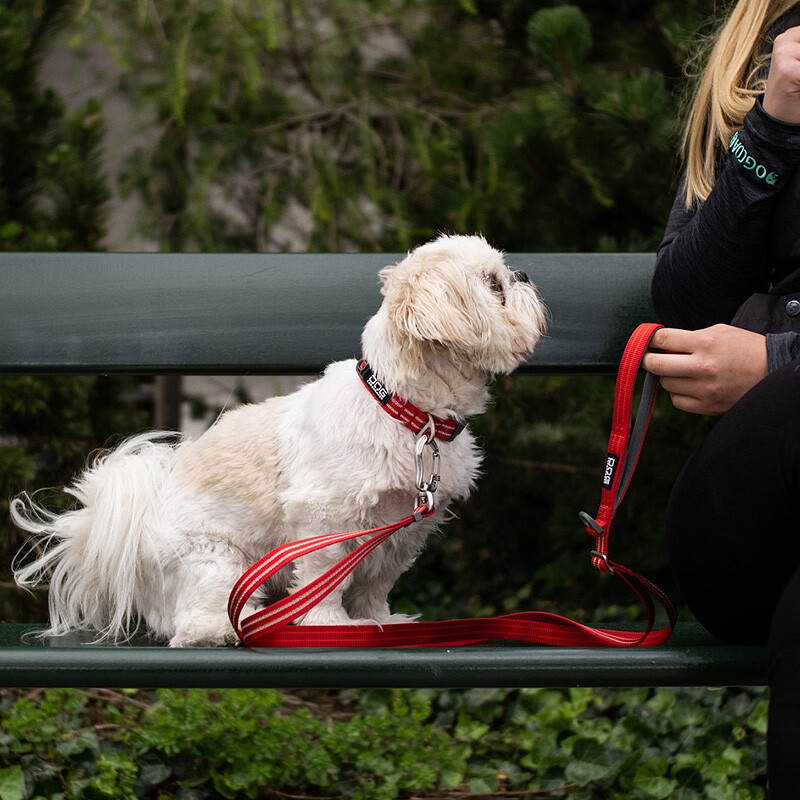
[726, 91]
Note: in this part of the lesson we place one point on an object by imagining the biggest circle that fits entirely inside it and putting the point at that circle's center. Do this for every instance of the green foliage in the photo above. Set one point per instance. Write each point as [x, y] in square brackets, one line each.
[52, 191]
[49, 425]
[356, 124]
[636, 744]
[561, 38]
[52, 197]
[371, 755]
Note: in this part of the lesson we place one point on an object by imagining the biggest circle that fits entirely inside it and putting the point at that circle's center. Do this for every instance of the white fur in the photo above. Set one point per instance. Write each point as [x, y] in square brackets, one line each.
[163, 530]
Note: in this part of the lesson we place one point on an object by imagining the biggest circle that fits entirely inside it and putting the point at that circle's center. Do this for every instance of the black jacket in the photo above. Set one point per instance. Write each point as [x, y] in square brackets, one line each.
[746, 236]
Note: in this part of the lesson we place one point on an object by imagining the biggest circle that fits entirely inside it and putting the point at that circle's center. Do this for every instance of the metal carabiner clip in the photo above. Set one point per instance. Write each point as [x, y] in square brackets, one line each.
[426, 488]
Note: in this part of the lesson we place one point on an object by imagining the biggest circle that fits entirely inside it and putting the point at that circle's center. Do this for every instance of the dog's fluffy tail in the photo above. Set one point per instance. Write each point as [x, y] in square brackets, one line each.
[94, 556]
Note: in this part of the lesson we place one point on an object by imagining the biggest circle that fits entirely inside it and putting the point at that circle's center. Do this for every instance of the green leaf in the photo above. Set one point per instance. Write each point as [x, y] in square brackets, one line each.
[758, 719]
[12, 785]
[592, 762]
[470, 729]
[270, 24]
[483, 784]
[651, 778]
[10, 230]
[449, 778]
[179, 89]
[662, 702]
[561, 39]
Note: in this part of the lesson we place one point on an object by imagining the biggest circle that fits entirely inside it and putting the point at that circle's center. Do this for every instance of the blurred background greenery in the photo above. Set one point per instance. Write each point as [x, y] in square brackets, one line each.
[364, 125]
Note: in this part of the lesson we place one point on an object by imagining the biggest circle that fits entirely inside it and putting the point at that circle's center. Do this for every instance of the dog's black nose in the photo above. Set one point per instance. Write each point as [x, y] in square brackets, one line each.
[521, 276]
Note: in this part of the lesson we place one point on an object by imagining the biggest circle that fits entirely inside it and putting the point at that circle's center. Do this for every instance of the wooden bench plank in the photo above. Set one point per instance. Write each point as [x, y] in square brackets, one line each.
[271, 313]
[690, 659]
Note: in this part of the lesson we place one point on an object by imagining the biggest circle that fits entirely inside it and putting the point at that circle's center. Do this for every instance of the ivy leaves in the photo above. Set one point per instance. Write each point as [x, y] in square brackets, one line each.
[581, 744]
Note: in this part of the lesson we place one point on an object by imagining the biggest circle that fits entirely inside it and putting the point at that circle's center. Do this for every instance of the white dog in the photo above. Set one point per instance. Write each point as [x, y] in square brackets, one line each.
[164, 530]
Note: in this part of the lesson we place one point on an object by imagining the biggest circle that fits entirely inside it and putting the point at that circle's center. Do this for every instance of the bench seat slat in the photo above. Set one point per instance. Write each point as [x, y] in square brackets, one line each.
[690, 659]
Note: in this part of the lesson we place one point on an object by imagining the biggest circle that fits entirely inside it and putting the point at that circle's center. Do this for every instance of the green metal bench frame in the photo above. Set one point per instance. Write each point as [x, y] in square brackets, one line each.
[198, 314]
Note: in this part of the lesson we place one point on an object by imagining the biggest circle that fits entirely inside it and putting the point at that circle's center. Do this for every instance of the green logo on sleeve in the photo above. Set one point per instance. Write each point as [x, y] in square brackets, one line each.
[739, 152]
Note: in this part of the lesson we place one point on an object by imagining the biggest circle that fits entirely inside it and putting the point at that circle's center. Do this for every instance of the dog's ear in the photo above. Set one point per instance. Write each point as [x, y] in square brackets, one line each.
[430, 299]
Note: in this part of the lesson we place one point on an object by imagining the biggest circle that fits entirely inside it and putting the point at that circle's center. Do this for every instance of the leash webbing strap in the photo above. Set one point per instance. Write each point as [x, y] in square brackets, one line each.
[271, 626]
[290, 608]
[625, 441]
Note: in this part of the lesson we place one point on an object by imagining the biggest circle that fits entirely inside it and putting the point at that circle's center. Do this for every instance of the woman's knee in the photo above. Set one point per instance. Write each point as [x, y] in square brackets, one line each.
[734, 512]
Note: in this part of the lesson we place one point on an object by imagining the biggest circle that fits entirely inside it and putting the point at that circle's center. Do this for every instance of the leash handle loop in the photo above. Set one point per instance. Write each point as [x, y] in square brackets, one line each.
[624, 448]
[625, 440]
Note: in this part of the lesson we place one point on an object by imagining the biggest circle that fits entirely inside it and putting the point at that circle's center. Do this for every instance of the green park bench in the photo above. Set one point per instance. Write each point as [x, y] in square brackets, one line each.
[227, 314]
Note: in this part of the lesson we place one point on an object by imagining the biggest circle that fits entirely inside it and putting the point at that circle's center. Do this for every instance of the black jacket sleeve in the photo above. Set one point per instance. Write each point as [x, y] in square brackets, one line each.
[782, 348]
[715, 255]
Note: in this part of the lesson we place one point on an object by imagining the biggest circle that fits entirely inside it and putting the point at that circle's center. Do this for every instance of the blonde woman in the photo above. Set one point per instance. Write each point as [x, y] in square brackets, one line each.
[733, 521]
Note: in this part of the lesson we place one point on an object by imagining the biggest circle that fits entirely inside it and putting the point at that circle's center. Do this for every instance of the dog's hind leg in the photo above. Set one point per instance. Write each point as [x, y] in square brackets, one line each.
[201, 584]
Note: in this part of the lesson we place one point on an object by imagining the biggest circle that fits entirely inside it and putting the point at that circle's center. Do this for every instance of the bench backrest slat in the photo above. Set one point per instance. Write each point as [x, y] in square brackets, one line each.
[271, 313]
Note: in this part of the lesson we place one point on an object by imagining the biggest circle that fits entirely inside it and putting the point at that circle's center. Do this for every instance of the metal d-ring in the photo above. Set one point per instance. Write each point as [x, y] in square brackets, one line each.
[604, 558]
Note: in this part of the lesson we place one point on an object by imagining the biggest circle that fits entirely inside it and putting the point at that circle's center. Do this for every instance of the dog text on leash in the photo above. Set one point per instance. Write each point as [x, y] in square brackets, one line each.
[611, 468]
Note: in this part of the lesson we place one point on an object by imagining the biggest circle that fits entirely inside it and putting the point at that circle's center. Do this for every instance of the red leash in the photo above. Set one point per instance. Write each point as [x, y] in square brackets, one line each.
[271, 626]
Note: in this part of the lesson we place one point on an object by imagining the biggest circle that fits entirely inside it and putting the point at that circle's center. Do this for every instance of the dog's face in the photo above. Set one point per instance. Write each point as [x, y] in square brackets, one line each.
[457, 294]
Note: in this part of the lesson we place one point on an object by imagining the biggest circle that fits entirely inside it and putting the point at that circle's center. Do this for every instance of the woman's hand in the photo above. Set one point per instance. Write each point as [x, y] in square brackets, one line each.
[707, 371]
[782, 96]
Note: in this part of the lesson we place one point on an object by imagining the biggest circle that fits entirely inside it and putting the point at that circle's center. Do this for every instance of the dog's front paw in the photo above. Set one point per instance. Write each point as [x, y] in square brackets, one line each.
[400, 619]
[327, 616]
[205, 632]
[377, 613]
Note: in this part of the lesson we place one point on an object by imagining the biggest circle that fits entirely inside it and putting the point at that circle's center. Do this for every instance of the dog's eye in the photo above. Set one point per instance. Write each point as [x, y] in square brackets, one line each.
[496, 285]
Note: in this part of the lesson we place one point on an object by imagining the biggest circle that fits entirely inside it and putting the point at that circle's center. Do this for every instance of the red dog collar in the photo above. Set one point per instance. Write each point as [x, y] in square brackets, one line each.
[406, 412]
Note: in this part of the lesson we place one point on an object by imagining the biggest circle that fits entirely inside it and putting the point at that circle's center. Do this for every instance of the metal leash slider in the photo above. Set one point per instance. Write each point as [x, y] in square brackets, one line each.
[426, 488]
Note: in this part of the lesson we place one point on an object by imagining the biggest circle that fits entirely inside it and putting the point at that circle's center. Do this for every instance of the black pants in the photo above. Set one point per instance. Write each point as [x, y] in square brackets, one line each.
[733, 526]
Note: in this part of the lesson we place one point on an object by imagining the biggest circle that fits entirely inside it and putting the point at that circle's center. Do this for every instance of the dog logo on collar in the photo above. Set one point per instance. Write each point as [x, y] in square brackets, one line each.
[381, 393]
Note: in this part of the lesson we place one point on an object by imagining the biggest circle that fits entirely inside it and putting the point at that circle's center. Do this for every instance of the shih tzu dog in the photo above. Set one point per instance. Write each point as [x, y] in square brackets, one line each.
[163, 530]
